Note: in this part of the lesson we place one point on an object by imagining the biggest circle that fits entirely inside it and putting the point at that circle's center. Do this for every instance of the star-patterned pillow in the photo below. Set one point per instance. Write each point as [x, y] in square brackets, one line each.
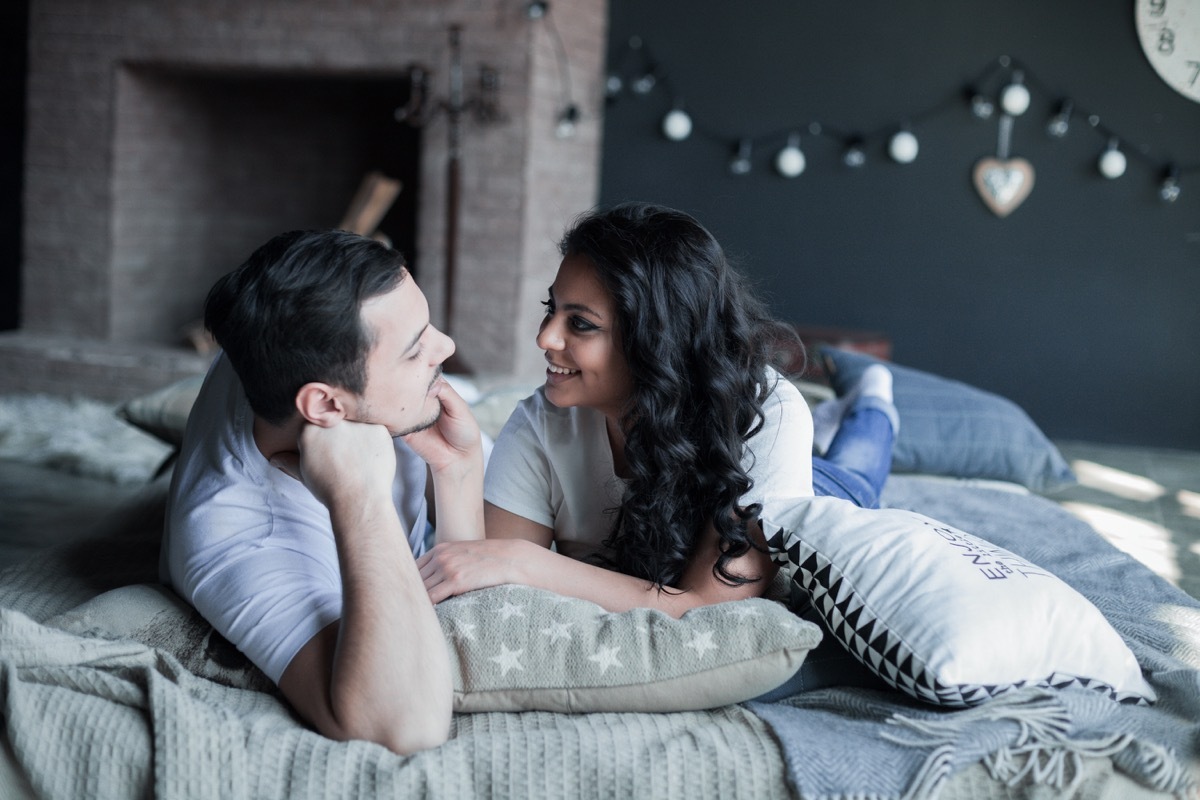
[515, 648]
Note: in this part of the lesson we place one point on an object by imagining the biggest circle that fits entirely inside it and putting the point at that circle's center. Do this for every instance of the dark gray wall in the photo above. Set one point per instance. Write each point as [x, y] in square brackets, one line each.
[14, 19]
[1081, 305]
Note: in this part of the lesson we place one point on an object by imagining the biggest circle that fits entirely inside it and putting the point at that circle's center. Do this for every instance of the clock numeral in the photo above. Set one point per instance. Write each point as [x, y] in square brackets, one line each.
[1157, 7]
[1166, 41]
[1195, 67]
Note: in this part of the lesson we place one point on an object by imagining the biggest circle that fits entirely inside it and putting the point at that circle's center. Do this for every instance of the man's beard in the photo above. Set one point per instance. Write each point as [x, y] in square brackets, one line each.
[429, 423]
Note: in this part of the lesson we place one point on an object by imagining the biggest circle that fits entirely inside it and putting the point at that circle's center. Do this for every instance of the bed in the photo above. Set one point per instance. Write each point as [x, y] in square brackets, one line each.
[113, 688]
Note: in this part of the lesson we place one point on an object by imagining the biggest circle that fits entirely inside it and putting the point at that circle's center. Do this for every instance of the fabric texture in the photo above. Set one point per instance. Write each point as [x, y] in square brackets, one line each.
[951, 428]
[249, 546]
[78, 436]
[88, 717]
[516, 648]
[164, 412]
[82, 712]
[554, 466]
[943, 615]
[886, 745]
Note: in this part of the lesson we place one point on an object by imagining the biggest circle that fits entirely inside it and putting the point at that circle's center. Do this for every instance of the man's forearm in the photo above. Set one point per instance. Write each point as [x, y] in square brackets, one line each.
[458, 495]
[390, 678]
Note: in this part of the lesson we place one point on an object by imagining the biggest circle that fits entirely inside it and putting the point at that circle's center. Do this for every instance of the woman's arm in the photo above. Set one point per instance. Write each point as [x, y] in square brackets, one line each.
[517, 551]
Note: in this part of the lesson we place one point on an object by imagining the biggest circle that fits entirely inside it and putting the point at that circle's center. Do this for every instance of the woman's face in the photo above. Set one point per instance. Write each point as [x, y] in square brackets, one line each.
[583, 346]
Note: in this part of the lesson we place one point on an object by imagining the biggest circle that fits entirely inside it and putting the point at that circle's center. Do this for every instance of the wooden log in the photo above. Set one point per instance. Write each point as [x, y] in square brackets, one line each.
[374, 197]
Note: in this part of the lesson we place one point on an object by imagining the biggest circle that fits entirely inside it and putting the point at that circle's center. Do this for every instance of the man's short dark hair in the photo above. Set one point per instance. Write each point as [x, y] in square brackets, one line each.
[290, 314]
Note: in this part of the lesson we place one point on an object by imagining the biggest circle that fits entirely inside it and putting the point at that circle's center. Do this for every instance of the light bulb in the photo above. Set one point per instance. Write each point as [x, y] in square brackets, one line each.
[790, 161]
[644, 84]
[567, 120]
[854, 156]
[903, 147]
[982, 107]
[613, 85]
[1169, 190]
[1015, 100]
[1015, 97]
[677, 125]
[1112, 161]
[740, 164]
[1060, 123]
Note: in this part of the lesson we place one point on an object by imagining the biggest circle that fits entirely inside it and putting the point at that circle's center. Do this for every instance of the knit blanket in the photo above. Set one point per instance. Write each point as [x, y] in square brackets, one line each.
[93, 717]
[99, 718]
[880, 745]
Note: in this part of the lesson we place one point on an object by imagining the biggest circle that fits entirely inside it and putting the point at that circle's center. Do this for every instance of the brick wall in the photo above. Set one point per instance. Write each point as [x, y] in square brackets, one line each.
[147, 175]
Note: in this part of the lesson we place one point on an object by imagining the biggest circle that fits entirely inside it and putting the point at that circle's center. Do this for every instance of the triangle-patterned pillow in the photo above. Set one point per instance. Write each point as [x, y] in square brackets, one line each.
[944, 615]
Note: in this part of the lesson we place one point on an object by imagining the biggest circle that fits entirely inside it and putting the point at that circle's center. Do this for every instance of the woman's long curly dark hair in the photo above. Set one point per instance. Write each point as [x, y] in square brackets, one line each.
[697, 344]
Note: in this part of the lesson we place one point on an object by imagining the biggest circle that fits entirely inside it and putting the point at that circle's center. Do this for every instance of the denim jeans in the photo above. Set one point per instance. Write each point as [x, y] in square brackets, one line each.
[859, 458]
[854, 468]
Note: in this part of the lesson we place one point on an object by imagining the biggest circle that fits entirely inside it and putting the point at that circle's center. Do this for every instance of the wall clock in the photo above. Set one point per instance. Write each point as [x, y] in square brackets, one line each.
[1169, 31]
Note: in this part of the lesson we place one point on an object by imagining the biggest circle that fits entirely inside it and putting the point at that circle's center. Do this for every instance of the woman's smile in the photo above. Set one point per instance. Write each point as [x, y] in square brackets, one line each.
[556, 374]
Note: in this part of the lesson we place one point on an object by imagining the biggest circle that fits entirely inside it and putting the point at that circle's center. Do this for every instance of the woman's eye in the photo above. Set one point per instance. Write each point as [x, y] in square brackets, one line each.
[581, 324]
[549, 307]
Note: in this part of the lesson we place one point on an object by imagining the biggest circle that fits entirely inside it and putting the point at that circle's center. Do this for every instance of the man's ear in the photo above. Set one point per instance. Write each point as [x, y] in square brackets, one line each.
[321, 404]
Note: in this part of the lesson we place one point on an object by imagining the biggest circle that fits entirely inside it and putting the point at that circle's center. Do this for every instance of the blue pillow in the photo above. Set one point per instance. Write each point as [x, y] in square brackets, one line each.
[951, 428]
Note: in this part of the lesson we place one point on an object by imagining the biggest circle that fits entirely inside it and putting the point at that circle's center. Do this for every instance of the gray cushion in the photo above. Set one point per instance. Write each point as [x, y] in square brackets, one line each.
[951, 428]
[515, 648]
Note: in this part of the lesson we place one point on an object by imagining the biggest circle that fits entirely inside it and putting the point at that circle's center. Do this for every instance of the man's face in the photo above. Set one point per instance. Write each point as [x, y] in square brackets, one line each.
[404, 363]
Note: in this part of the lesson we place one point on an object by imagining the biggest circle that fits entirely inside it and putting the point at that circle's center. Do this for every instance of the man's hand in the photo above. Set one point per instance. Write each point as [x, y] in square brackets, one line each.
[453, 449]
[346, 461]
[452, 441]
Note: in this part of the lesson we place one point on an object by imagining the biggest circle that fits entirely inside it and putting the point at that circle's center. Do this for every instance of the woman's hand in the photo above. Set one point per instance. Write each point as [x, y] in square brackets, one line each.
[453, 568]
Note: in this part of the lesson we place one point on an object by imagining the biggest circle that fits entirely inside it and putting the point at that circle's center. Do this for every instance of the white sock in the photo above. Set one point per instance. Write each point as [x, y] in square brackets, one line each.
[875, 381]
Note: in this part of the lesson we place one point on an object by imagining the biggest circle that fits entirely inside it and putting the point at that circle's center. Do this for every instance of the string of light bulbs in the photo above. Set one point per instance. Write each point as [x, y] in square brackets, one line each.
[1003, 86]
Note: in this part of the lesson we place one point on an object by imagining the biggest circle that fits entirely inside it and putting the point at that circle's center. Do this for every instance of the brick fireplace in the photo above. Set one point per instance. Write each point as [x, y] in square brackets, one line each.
[166, 140]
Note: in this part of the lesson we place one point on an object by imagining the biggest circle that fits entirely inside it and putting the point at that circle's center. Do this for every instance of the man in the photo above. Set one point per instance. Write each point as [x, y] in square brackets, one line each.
[298, 500]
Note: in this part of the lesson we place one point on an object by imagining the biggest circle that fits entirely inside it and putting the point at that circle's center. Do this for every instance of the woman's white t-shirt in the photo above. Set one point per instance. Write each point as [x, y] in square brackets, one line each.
[554, 466]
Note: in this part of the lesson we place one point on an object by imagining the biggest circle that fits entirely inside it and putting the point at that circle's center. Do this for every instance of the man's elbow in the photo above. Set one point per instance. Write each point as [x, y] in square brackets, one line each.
[412, 739]
[412, 734]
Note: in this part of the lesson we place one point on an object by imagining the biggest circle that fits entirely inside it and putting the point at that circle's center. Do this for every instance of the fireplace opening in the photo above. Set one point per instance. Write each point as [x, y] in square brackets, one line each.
[208, 164]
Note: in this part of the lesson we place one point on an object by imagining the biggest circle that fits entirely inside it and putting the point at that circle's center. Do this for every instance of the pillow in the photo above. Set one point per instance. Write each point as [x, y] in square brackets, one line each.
[164, 412]
[943, 615]
[515, 648]
[494, 408]
[951, 428]
[156, 617]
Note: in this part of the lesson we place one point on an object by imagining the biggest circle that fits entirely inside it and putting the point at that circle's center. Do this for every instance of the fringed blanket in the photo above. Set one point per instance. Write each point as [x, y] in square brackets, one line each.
[879, 745]
[87, 717]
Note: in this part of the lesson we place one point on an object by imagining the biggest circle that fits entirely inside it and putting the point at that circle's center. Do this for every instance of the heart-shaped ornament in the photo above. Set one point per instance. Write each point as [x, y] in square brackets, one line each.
[1003, 185]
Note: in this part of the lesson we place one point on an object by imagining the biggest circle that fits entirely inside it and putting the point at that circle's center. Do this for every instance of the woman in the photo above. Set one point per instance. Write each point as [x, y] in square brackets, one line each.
[662, 440]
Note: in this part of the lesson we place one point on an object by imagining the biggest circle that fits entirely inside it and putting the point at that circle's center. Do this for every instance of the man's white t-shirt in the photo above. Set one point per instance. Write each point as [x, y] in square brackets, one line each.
[249, 546]
[554, 466]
